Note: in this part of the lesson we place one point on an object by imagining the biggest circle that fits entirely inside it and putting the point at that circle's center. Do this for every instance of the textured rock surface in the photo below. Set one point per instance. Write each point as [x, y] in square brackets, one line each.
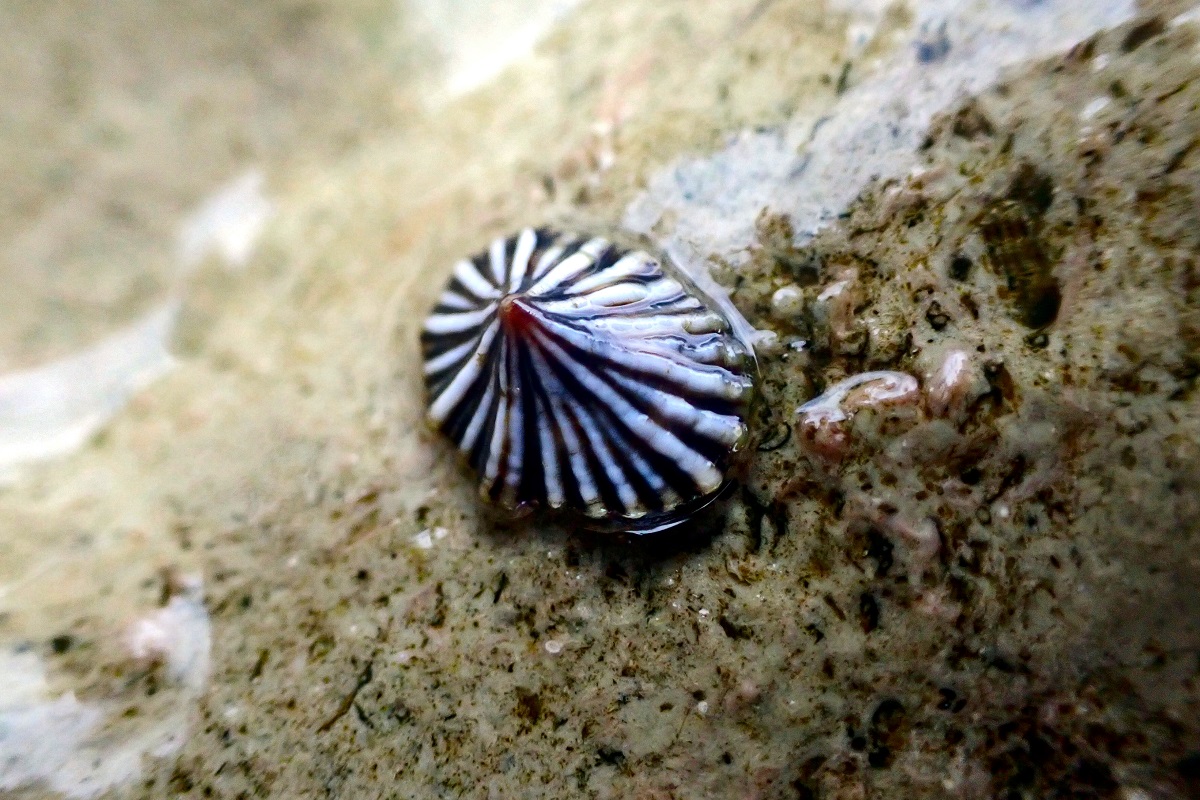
[984, 589]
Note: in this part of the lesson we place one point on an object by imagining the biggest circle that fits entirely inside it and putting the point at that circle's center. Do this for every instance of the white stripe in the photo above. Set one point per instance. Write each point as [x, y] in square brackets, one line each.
[456, 300]
[722, 428]
[710, 352]
[661, 363]
[650, 301]
[700, 324]
[706, 476]
[473, 280]
[450, 397]
[716, 351]
[578, 464]
[643, 467]
[548, 257]
[525, 244]
[569, 267]
[457, 323]
[630, 265]
[476, 424]
[620, 294]
[516, 427]
[677, 305]
[615, 475]
[644, 327]
[550, 467]
[496, 257]
[665, 289]
[448, 358]
[500, 426]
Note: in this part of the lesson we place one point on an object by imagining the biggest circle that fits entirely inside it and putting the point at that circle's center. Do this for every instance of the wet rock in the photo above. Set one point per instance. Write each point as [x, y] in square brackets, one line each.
[952, 380]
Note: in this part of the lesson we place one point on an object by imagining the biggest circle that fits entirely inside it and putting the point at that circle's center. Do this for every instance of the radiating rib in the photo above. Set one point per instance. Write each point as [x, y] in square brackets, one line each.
[501, 423]
[569, 268]
[514, 469]
[457, 302]
[474, 281]
[497, 262]
[631, 265]
[526, 242]
[450, 357]
[551, 470]
[701, 379]
[725, 429]
[614, 474]
[702, 472]
[456, 323]
[454, 392]
[579, 467]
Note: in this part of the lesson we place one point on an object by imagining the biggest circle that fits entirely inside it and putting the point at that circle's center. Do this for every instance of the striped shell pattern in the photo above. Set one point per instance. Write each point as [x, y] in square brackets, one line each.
[580, 376]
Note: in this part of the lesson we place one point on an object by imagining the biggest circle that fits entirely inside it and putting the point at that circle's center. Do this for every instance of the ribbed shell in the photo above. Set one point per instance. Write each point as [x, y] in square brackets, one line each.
[580, 376]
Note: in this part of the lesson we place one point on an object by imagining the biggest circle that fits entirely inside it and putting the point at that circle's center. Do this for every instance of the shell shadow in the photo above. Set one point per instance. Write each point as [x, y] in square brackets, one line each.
[637, 557]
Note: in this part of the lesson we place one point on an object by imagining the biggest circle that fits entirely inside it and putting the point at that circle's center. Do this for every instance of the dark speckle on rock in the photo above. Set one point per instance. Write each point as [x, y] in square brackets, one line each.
[933, 44]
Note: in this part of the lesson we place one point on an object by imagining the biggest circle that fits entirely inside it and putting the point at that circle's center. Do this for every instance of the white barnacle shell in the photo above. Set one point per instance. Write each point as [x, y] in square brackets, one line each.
[581, 376]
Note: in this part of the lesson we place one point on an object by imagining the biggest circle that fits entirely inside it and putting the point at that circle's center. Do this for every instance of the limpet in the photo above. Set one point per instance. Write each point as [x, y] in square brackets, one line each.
[583, 377]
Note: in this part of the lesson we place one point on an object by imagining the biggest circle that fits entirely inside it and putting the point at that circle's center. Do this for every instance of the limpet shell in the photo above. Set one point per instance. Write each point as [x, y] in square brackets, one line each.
[587, 378]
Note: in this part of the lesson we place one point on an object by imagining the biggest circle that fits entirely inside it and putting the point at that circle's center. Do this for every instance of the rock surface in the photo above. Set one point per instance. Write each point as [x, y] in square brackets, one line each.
[983, 588]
